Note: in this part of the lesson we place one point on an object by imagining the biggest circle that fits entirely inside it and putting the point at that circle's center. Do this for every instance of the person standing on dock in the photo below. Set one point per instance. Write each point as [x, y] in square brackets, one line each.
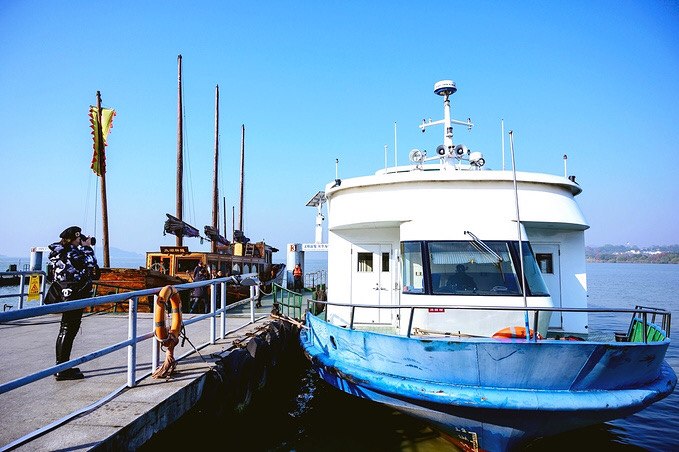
[74, 266]
[199, 294]
[199, 268]
[297, 278]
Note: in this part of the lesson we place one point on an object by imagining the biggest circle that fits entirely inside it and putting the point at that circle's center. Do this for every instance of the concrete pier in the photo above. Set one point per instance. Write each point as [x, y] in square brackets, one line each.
[130, 418]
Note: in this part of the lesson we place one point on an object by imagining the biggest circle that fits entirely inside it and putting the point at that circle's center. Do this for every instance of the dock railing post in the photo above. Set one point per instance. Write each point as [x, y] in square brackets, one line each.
[132, 348]
[253, 290]
[21, 290]
[154, 342]
[222, 296]
[213, 317]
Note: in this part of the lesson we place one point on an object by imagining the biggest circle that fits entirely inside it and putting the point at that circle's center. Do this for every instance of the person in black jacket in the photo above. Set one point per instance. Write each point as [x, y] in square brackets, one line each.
[74, 266]
[199, 294]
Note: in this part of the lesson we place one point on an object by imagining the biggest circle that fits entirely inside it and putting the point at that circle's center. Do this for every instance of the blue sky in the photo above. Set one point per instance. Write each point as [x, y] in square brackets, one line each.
[316, 81]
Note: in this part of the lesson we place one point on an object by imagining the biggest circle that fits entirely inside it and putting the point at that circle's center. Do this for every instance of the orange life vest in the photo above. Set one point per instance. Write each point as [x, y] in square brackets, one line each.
[514, 332]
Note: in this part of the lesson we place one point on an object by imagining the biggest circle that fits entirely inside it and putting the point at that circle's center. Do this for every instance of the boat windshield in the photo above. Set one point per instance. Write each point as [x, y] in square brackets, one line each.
[463, 268]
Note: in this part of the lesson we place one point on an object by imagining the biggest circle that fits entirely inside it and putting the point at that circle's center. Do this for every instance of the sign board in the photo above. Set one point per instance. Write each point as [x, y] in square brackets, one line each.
[174, 249]
[34, 288]
[314, 247]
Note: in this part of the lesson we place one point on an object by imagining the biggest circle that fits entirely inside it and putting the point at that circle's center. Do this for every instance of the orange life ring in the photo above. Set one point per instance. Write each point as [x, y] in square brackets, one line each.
[514, 332]
[165, 337]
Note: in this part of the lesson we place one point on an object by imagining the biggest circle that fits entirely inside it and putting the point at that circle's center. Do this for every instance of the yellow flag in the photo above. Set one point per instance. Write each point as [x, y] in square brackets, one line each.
[34, 288]
[99, 157]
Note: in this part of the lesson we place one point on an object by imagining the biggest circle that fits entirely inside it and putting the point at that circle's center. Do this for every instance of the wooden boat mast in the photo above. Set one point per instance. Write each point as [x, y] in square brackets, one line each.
[104, 202]
[180, 150]
[224, 218]
[215, 188]
[242, 176]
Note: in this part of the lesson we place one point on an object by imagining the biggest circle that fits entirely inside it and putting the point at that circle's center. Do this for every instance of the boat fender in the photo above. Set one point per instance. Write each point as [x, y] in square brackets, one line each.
[514, 332]
[260, 351]
[238, 366]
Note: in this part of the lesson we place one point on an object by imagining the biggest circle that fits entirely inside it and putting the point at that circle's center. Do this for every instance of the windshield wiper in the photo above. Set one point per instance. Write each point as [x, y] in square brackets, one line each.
[483, 247]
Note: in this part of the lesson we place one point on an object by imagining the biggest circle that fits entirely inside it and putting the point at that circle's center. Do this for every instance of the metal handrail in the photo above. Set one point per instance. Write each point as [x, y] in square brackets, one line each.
[22, 284]
[666, 316]
[133, 338]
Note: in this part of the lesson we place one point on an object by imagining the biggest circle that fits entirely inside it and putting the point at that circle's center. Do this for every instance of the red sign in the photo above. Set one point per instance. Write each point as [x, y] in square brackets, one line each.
[437, 310]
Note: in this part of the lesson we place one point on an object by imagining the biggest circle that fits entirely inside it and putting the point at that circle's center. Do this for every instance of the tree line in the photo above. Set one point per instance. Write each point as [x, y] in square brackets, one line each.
[666, 254]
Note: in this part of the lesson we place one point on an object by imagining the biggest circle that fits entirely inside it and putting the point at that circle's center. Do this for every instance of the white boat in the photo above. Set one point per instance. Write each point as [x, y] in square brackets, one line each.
[434, 308]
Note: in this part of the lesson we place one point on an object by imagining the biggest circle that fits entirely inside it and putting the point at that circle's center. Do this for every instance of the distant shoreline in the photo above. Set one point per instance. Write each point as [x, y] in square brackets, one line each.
[602, 261]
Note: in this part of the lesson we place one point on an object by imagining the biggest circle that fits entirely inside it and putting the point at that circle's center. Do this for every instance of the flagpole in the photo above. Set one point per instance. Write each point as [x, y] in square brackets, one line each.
[104, 204]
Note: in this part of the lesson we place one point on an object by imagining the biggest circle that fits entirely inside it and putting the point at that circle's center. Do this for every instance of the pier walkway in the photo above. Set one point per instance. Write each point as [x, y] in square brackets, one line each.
[131, 416]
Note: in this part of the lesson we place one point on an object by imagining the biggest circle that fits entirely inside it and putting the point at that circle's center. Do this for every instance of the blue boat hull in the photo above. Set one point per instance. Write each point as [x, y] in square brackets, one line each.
[500, 392]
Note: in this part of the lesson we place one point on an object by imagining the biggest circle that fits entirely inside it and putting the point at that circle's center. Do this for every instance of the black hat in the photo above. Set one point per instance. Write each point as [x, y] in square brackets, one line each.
[71, 233]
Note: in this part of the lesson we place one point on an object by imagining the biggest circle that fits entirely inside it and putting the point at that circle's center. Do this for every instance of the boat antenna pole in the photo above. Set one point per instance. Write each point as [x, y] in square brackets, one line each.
[180, 149]
[104, 203]
[518, 231]
[215, 188]
[224, 209]
[502, 126]
[242, 175]
[385, 158]
[446, 88]
[395, 146]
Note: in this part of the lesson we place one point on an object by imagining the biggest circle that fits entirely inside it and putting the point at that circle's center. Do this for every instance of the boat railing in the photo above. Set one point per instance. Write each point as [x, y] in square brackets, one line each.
[288, 302]
[215, 317]
[647, 324]
[317, 278]
[25, 292]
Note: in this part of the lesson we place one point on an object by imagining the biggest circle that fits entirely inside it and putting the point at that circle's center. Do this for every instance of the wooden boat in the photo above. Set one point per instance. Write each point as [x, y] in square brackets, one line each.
[232, 259]
[176, 264]
[118, 280]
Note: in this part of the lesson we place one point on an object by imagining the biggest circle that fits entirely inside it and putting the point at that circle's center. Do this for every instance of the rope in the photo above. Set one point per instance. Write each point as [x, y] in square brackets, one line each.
[287, 319]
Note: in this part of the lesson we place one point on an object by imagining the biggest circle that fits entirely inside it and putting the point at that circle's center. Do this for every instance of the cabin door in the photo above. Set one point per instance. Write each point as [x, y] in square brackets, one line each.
[372, 282]
[547, 256]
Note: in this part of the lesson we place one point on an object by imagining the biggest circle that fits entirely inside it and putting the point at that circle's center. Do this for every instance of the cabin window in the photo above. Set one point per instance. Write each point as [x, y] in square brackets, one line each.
[187, 264]
[161, 264]
[235, 270]
[465, 268]
[545, 262]
[470, 268]
[224, 268]
[536, 285]
[413, 269]
[385, 262]
[364, 262]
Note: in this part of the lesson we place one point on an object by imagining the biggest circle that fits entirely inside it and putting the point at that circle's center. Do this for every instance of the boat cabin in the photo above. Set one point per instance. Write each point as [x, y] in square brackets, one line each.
[233, 259]
[443, 232]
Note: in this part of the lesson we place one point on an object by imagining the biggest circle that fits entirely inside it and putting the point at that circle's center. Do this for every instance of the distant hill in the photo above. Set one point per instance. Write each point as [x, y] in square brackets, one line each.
[668, 254]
